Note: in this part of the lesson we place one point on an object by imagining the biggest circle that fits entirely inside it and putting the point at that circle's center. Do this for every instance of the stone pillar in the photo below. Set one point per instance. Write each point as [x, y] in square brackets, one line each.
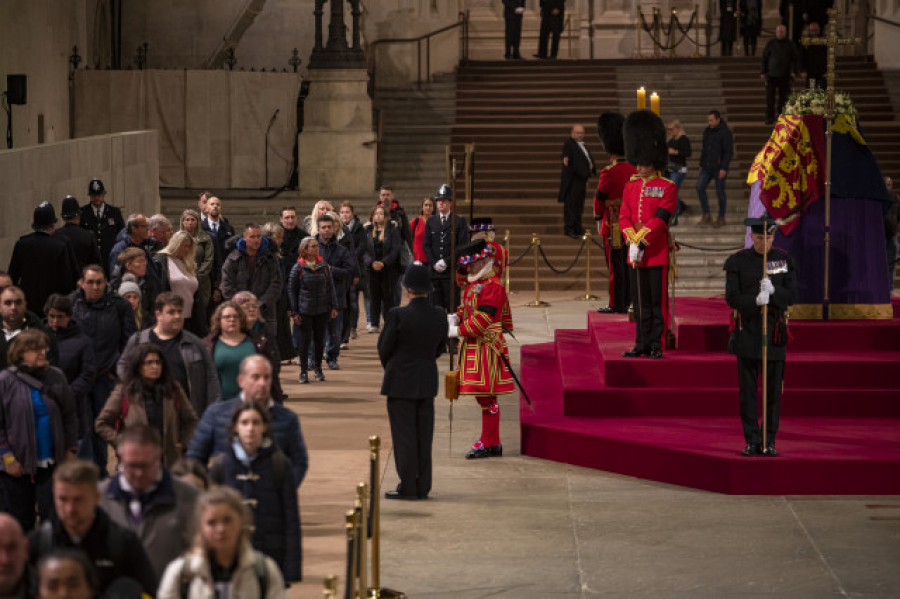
[336, 155]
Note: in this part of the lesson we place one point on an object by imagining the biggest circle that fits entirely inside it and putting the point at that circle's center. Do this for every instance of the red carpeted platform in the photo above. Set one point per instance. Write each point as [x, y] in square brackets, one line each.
[676, 420]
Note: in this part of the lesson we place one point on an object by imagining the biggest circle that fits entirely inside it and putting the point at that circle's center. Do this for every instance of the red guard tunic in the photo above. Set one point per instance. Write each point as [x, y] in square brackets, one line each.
[483, 315]
[643, 205]
[611, 185]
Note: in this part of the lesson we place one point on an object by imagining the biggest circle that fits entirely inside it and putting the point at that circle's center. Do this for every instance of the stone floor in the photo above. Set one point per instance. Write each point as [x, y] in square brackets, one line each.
[526, 528]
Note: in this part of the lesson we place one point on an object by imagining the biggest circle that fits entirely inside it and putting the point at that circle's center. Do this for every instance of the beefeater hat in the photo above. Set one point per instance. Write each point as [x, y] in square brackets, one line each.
[645, 140]
[609, 130]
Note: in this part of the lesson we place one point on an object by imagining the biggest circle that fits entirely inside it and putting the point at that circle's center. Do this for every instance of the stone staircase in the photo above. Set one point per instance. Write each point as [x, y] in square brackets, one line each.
[519, 113]
[416, 125]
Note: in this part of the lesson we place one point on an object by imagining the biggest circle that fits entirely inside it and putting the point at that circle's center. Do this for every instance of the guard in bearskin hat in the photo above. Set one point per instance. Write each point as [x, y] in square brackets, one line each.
[648, 203]
[607, 202]
[479, 323]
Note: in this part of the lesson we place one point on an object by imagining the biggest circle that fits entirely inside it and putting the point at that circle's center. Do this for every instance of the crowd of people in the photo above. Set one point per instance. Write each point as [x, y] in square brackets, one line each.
[153, 352]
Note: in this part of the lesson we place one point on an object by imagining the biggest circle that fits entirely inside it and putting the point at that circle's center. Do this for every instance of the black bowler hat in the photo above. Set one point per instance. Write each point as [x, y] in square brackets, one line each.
[417, 278]
[764, 224]
[44, 216]
[69, 208]
[95, 188]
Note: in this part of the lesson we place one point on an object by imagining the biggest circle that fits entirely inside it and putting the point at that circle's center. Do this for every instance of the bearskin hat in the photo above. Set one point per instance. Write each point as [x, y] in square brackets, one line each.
[645, 140]
[609, 129]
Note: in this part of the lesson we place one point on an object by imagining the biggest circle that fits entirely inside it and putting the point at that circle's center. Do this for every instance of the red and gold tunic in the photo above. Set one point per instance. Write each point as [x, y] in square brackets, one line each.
[646, 208]
[608, 198]
[483, 316]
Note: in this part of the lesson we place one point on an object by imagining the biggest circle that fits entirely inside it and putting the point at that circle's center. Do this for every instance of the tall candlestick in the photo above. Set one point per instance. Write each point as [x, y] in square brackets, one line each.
[654, 103]
[641, 99]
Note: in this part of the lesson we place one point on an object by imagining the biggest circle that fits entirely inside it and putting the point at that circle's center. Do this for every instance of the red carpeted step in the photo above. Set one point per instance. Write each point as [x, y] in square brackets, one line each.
[819, 456]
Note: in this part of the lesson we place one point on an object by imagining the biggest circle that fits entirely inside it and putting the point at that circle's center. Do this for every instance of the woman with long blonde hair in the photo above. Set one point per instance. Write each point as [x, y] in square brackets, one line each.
[310, 223]
[204, 254]
[222, 562]
[178, 273]
[679, 152]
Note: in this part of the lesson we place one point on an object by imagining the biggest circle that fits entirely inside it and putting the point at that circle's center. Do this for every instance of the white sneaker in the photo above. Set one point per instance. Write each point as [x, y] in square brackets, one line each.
[345, 346]
[371, 329]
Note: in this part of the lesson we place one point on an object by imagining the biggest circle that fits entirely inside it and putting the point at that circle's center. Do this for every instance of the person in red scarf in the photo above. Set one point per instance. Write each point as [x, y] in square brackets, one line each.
[479, 323]
[313, 302]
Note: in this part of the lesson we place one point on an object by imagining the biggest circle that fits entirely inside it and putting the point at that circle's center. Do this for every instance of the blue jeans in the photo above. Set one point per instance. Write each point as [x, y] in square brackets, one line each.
[703, 180]
[677, 178]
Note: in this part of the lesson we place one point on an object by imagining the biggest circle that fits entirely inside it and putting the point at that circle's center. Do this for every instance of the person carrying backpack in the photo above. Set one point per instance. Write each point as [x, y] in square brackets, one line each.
[222, 563]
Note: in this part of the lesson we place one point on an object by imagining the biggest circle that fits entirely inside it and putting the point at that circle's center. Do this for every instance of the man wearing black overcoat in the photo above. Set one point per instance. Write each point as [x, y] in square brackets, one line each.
[747, 291]
[577, 166]
[414, 336]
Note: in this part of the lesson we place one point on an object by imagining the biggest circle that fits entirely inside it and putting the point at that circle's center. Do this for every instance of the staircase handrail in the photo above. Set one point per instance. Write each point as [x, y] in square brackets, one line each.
[461, 23]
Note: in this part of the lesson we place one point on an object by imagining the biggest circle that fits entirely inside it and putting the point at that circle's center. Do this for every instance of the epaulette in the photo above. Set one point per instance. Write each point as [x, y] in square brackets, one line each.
[608, 166]
[667, 180]
[634, 178]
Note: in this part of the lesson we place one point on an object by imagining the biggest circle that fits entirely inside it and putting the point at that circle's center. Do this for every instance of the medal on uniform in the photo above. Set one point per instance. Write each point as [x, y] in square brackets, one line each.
[776, 267]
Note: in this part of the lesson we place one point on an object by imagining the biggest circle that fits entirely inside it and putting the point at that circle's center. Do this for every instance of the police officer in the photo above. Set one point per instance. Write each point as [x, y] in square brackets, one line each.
[103, 220]
[747, 290]
[436, 243]
[414, 336]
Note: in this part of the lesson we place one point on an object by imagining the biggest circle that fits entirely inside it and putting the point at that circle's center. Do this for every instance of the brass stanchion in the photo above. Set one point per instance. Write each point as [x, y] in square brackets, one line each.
[506, 271]
[696, 31]
[330, 589]
[353, 538]
[587, 269]
[374, 447]
[362, 496]
[537, 303]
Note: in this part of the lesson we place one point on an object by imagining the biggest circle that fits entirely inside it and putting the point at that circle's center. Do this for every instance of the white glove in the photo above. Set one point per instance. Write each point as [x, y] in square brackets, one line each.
[762, 299]
[520, 10]
[453, 331]
[440, 265]
[633, 253]
[767, 286]
[453, 319]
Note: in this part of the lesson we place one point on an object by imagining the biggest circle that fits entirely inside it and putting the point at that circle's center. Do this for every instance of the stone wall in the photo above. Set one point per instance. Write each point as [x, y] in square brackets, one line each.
[127, 163]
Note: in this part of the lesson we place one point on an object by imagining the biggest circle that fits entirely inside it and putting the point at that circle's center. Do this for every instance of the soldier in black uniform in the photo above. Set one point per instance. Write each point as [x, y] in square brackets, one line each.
[83, 241]
[103, 220]
[746, 291]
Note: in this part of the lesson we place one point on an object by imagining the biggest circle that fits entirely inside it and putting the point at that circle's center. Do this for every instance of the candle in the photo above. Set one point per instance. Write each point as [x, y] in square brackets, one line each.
[654, 103]
[641, 99]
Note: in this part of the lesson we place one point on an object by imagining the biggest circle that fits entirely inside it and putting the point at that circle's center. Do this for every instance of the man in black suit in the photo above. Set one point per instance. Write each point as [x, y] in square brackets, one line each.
[413, 338]
[220, 231]
[84, 243]
[103, 220]
[43, 263]
[577, 166]
[553, 17]
[436, 243]
[512, 15]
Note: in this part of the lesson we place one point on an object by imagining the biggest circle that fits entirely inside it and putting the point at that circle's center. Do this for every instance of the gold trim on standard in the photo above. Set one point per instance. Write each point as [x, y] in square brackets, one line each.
[842, 312]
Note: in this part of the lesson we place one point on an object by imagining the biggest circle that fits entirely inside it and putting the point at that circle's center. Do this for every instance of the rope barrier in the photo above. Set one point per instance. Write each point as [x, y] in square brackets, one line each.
[568, 268]
[703, 249]
[524, 253]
